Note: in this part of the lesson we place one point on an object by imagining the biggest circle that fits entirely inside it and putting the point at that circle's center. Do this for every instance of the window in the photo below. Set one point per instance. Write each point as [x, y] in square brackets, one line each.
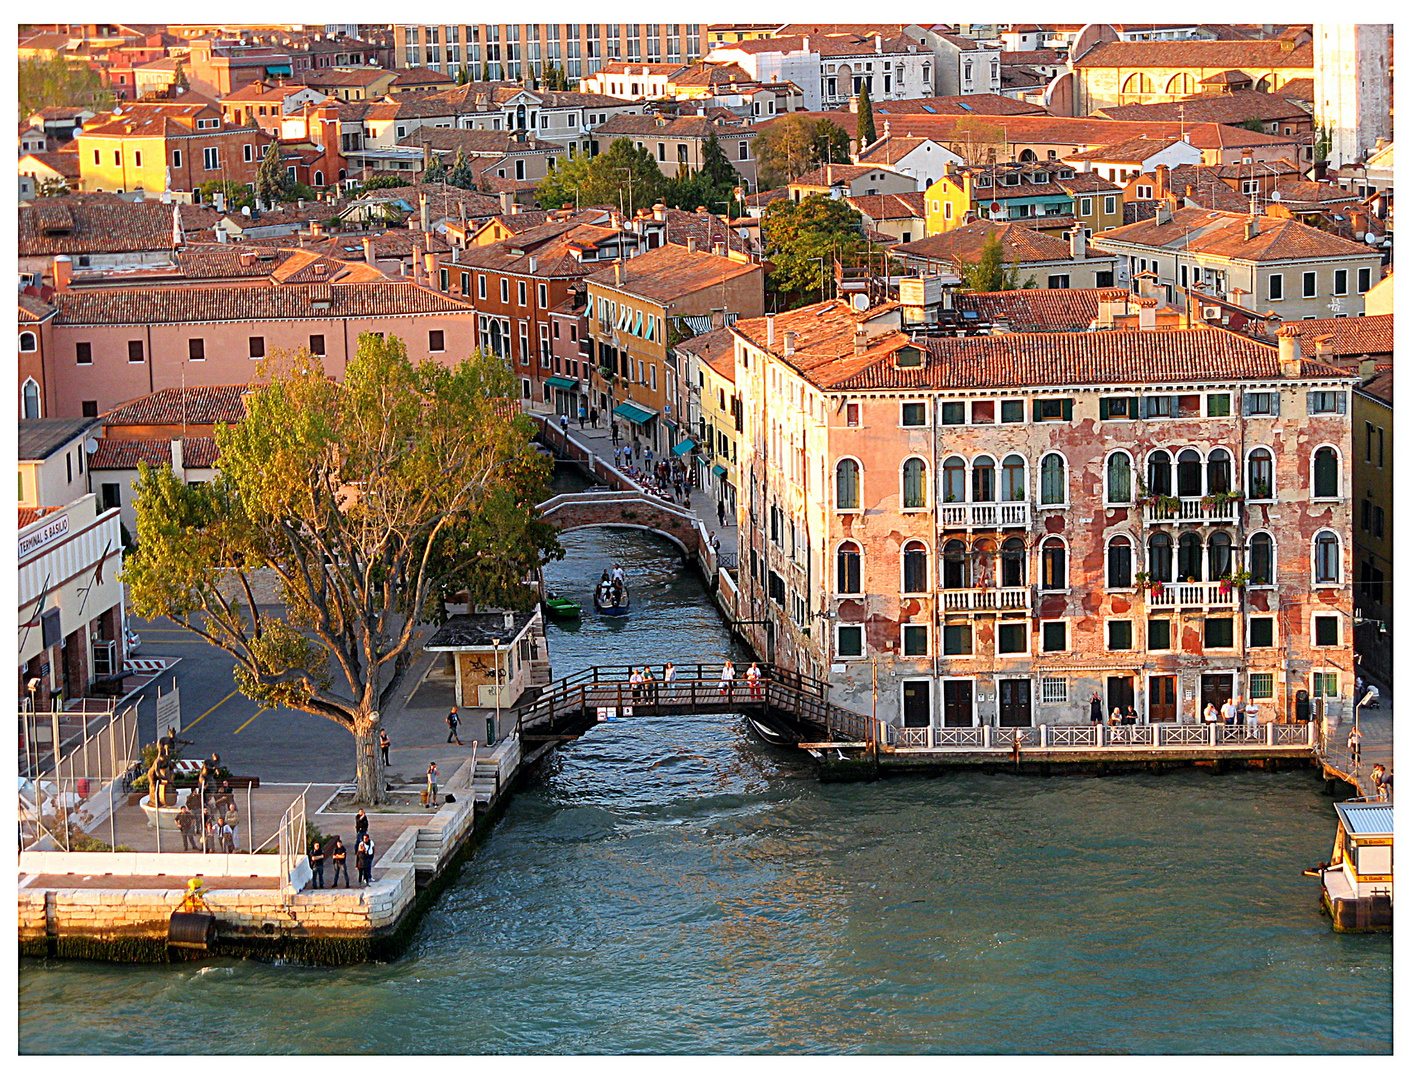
[1325, 473]
[134, 352]
[480, 286]
[1012, 563]
[956, 639]
[1311, 283]
[955, 566]
[849, 642]
[28, 342]
[1188, 474]
[248, 152]
[1054, 690]
[1262, 631]
[1110, 204]
[983, 479]
[953, 480]
[1012, 412]
[1054, 636]
[521, 294]
[504, 290]
[1261, 403]
[1120, 635]
[1159, 473]
[316, 344]
[1340, 282]
[543, 294]
[1053, 565]
[210, 159]
[1012, 638]
[1220, 633]
[914, 567]
[1218, 404]
[1261, 474]
[112, 496]
[953, 412]
[1277, 287]
[176, 159]
[914, 635]
[1119, 478]
[846, 484]
[851, 414]
[1262, 559]
[1012, 478]
[196, 348]
[914, 414]
[1120, 563]
[1365, 279]
[1326, 630]
[1159, 634]
[1048, 409]
[1327, 401]
[1058, 281]
[257, 348]
[982, 412]
[1218, 556]
[436, 340]
[1218, 472]
[1326, 684]
[850, 569]
[1053, 482]
[88, 408]
[1262, 685]
[914, 484]
[1117, 408]
[1326, 557]
[1086, 205]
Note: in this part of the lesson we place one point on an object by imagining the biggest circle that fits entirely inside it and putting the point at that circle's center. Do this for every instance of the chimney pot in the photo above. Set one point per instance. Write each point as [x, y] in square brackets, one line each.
[63, 272]
[368, 250]
[860, 341]
[769, 331]
[691, 243]
[718, 248]
[1291, 352]
[789, 343]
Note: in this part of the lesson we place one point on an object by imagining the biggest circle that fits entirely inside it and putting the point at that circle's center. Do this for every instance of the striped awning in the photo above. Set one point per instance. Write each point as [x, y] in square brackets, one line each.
[636, 413]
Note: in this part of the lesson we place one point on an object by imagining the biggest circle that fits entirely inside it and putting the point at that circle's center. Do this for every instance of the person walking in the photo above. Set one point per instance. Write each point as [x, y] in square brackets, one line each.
[186, 822]
[721, 512]
[564, 421]
[431, 784]
[727, 678]
[1252, 718]
[340, 863]
[669, 676]
[583, 417]
[453, 723]
[360, 823]
[752, 677]
[613, 432]
[384, 744]
[360, 856]
[593, 418]
[1095, 709]
[316, 864]
[1355, 745]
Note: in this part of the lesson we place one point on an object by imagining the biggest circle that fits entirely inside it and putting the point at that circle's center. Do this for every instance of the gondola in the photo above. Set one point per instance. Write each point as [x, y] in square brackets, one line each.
[768, 734]
[613, 610]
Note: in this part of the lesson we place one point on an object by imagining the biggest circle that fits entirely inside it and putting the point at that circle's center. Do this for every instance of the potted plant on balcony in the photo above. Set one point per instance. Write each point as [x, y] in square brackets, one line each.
[1169, 505]
[1237, 580]
[1260, 490]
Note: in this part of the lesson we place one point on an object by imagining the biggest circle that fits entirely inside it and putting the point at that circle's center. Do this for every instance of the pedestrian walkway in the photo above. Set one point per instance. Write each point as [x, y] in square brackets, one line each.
[1376, 726]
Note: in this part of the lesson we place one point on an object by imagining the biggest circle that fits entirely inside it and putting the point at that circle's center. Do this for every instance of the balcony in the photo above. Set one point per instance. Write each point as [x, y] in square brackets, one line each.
[1005, 599]
[1004, 515]
[1192, 512]
[1207, 594]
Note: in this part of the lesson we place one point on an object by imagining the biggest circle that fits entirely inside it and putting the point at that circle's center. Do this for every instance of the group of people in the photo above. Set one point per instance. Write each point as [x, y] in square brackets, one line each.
[1115, 718]
[586, 416]
[1231, 713]
[337, 854]
[647, 688]
[1382, 782]
[612, 589]
[752, 679]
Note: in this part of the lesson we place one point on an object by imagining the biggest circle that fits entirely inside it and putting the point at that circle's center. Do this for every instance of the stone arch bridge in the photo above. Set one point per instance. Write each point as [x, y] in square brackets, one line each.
[634, 510]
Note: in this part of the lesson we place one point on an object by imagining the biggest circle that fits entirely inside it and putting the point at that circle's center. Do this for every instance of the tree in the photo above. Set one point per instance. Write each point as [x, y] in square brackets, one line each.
[988, 273]
[798, 235]
[461, 174]
[715, 166]
[371, 502]
[979, 141]
[791, 146]
[435, 173]
[463, 75]
[56, 81]
[867, 133]
[270, 176]
[52, 187]
[621, 176]
[236, 195]
[180, 83]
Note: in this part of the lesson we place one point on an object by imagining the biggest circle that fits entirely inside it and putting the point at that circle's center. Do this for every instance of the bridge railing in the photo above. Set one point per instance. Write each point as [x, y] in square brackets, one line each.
[685, 672]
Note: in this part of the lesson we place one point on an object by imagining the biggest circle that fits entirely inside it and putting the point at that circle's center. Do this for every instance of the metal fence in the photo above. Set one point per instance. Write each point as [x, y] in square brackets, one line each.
[293, 839]
[1156, 737]
[71, 786]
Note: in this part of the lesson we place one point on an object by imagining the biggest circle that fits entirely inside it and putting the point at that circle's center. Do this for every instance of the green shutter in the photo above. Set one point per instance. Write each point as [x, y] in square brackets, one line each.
[1068, 408]
[1103, 409]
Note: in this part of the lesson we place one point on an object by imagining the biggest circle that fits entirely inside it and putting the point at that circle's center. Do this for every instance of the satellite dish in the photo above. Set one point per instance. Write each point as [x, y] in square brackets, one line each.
[861, 302]
[995, 208]
[1274, 196]
[90, 445]
[1370, 238]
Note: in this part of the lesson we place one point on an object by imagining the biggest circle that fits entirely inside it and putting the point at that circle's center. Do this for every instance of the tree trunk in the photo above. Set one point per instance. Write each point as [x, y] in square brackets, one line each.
[371, 777]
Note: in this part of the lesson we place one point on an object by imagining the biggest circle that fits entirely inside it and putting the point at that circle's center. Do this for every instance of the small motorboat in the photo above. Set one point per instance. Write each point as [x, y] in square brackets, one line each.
[561, 609]
[608, 601]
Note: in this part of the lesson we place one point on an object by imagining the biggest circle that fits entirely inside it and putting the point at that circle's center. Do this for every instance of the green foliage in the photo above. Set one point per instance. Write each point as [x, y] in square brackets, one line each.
[798, 235]
[237, 195]
[270, 176]
[1323, 142]
[56, 81]
[435, 173]
[294, 189]
[463, 75]
[715, 166]
[867, 133]
[371, 502]
[622, 176]
[52, 188]
[988, 273]
[555, 78]
[461, 174]
[790, 147]
[179, 80]
[1252, 125]
[379, 182]
[979, 140]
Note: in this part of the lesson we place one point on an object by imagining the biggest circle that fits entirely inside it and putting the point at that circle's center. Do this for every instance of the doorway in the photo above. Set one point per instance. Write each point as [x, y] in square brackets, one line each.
[1015, 703]
[916, 703]
[1120, 694]
[1215, 689]
[1161, 699]
[957, 695]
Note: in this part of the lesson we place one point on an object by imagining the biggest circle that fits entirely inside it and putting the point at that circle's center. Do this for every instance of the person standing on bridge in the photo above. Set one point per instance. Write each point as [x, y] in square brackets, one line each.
[669, 676]
[727, 678]
[431, 784]
[316, 864]
[752, 676]
[1095, 709]
[649, 685]
[1355, 745]
[453, 723]
[635, 681]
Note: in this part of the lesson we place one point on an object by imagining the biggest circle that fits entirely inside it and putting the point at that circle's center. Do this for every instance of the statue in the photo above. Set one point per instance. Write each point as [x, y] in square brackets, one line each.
[159, 782]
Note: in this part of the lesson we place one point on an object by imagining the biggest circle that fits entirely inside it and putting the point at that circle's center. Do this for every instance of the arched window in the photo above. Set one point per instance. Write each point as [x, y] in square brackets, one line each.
[1326, 557]
[1188, 474]
[1325, 473]
[1218, 556]
[1120, 478]
[953, 480]
[983, 563]
[1181, 85]
[1053, 565]
[914, 483]
[31, 400]
[850, 569]
[1138, 83]
[1053, 485]
[846, 484]
[1159, 472]
[1159, 557]
[1262, 559]
[914, 567]
[28, 342]
[1189, 557]
[1120, 563]
[983, 479]
[1012, 479]
[1028, 155]
[1012, 563]
[318, 178]
[1261, 471]
[955, 568]
[1218, 472]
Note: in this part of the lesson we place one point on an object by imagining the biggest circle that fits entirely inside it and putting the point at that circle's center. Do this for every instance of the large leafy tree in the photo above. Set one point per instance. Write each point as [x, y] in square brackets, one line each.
[56, 81]
[236, 195]
[461, 174]
[791, 146]
[371, 501]
[715, 166]
[798, 235]
[988, 272]
[621, 176]
[867, 133]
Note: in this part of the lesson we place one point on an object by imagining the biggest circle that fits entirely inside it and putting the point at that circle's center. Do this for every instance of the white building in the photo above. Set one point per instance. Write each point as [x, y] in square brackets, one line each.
[1353, 87]
[965, 66]
[769, 60]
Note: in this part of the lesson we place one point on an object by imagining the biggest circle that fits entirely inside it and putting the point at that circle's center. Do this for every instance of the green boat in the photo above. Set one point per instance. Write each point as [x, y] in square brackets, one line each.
[562, 610]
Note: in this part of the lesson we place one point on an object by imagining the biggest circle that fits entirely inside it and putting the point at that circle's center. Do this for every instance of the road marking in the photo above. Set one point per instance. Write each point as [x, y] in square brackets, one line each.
[212, 709]
[247, 723]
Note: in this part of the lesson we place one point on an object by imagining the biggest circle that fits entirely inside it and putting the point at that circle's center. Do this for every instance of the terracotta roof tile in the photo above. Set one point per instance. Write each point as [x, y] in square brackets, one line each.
[959, 105]
[911, 204]
[1036, 310]
[715, 348]
[1216, 232]
[196, 453]
[1233, 108]
[1368, 335]
[1020, 245]
[174, 405]
[1216, 55]
[670, 271]
[33, 309]
[93, 223]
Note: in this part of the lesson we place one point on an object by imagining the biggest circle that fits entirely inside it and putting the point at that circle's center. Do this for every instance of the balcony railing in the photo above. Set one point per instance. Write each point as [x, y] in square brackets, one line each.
[1192, 594]
[1008, 599]
[1003, 515]
[1192, 512]
[1047, 738]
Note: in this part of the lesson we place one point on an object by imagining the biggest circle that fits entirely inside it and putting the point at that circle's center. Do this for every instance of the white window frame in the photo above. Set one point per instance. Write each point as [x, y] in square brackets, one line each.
[925, 628]
[1039, 482]
[1235, 644]
[1029, 644]
[1132, 477]
[928, 494]
[1251, 616]
[863, 642]
[1068, 638]
[1173, 637]
[1132, 626]
[901, 414]
[1052, 685]
[901, 574]
[941, 642]
[1326, 613]
[1338, 458]
[1275, 283]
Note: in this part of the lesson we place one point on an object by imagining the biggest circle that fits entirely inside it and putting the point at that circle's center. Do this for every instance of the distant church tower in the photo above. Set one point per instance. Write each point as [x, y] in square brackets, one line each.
[1353, 87]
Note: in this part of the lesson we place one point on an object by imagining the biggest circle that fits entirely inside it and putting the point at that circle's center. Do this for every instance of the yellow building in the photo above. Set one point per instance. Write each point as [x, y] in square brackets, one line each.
[1045, 196]
[709, 363]
[1372, 530]
[166, 146]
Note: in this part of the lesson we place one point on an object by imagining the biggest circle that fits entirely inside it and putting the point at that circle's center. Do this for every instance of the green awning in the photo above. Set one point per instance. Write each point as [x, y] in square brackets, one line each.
[636, 413]
[686, 446]
[561, 383]
[719, 470]
[278, 69]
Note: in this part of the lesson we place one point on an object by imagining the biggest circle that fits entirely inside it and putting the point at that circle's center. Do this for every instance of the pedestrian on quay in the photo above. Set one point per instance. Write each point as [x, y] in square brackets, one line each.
[727, 678]
[716, 545]
[1228, 713]
[647, 457]
[686, 486]
[1252, 718]
[340, 863]
[1355, 745]
[669, 676]
[186, 822]
[360, 856]
[593, 418]
[1095, 709]
[384, 744]
[226, 837]
[635, 681]
[233, 824]
[1209, 716]
[431, 784]
[1377, 777]
[583, 417]
[360, 823]
[721, 511]
[613, 432]
[316, 864]
[676, 489]
[453, 724]
[1115, 718]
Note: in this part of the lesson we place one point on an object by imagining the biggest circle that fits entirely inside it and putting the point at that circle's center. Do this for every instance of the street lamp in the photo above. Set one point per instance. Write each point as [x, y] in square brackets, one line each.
[490, 735]
[1366, 698]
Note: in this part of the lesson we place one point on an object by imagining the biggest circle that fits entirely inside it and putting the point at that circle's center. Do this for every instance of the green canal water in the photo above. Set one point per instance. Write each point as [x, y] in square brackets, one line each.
[674, 886]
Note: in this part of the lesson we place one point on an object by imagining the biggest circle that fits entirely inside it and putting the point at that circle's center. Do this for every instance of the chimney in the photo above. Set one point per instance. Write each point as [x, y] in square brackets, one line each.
[719, 248]
[1367, 366]
[691, 244]
[718, 318]
[514, 206]
[1291, 356]
[316, 229]
[1161, 179]
[877, 43]
[1147, 315]
[506, 201]
[659, 211]
[178, 466]
[368, 256]
[417, 263]
[247, 258]
[853, 103]
[1164, 213]
[426, 213]
[789, 343]
[533, 265]
[1078, 242]
[1107, 301]
[618, 272]
[860, 340]
[1188, 191]
[1324, 348]
[433, 265]
[509, 623]
[770, 331]
[1252, 226]
[63, 272]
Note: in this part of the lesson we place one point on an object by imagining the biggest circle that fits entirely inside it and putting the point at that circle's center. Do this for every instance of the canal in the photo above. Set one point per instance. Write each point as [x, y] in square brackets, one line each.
[674, 886]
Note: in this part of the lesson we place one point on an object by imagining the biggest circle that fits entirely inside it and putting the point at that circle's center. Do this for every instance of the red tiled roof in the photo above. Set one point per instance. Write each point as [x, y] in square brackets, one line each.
[33, 309]
[1036, 310]
[30, 514]
[827, 175]
[716, 349]
[1217, 232]
[1259, 56]
[959, 105]
[197, 453]
[666, 273]
[911, 204]
[1369, 335]
[1020, 245]
[1233, 108]
[175, 405]
[93, 223]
